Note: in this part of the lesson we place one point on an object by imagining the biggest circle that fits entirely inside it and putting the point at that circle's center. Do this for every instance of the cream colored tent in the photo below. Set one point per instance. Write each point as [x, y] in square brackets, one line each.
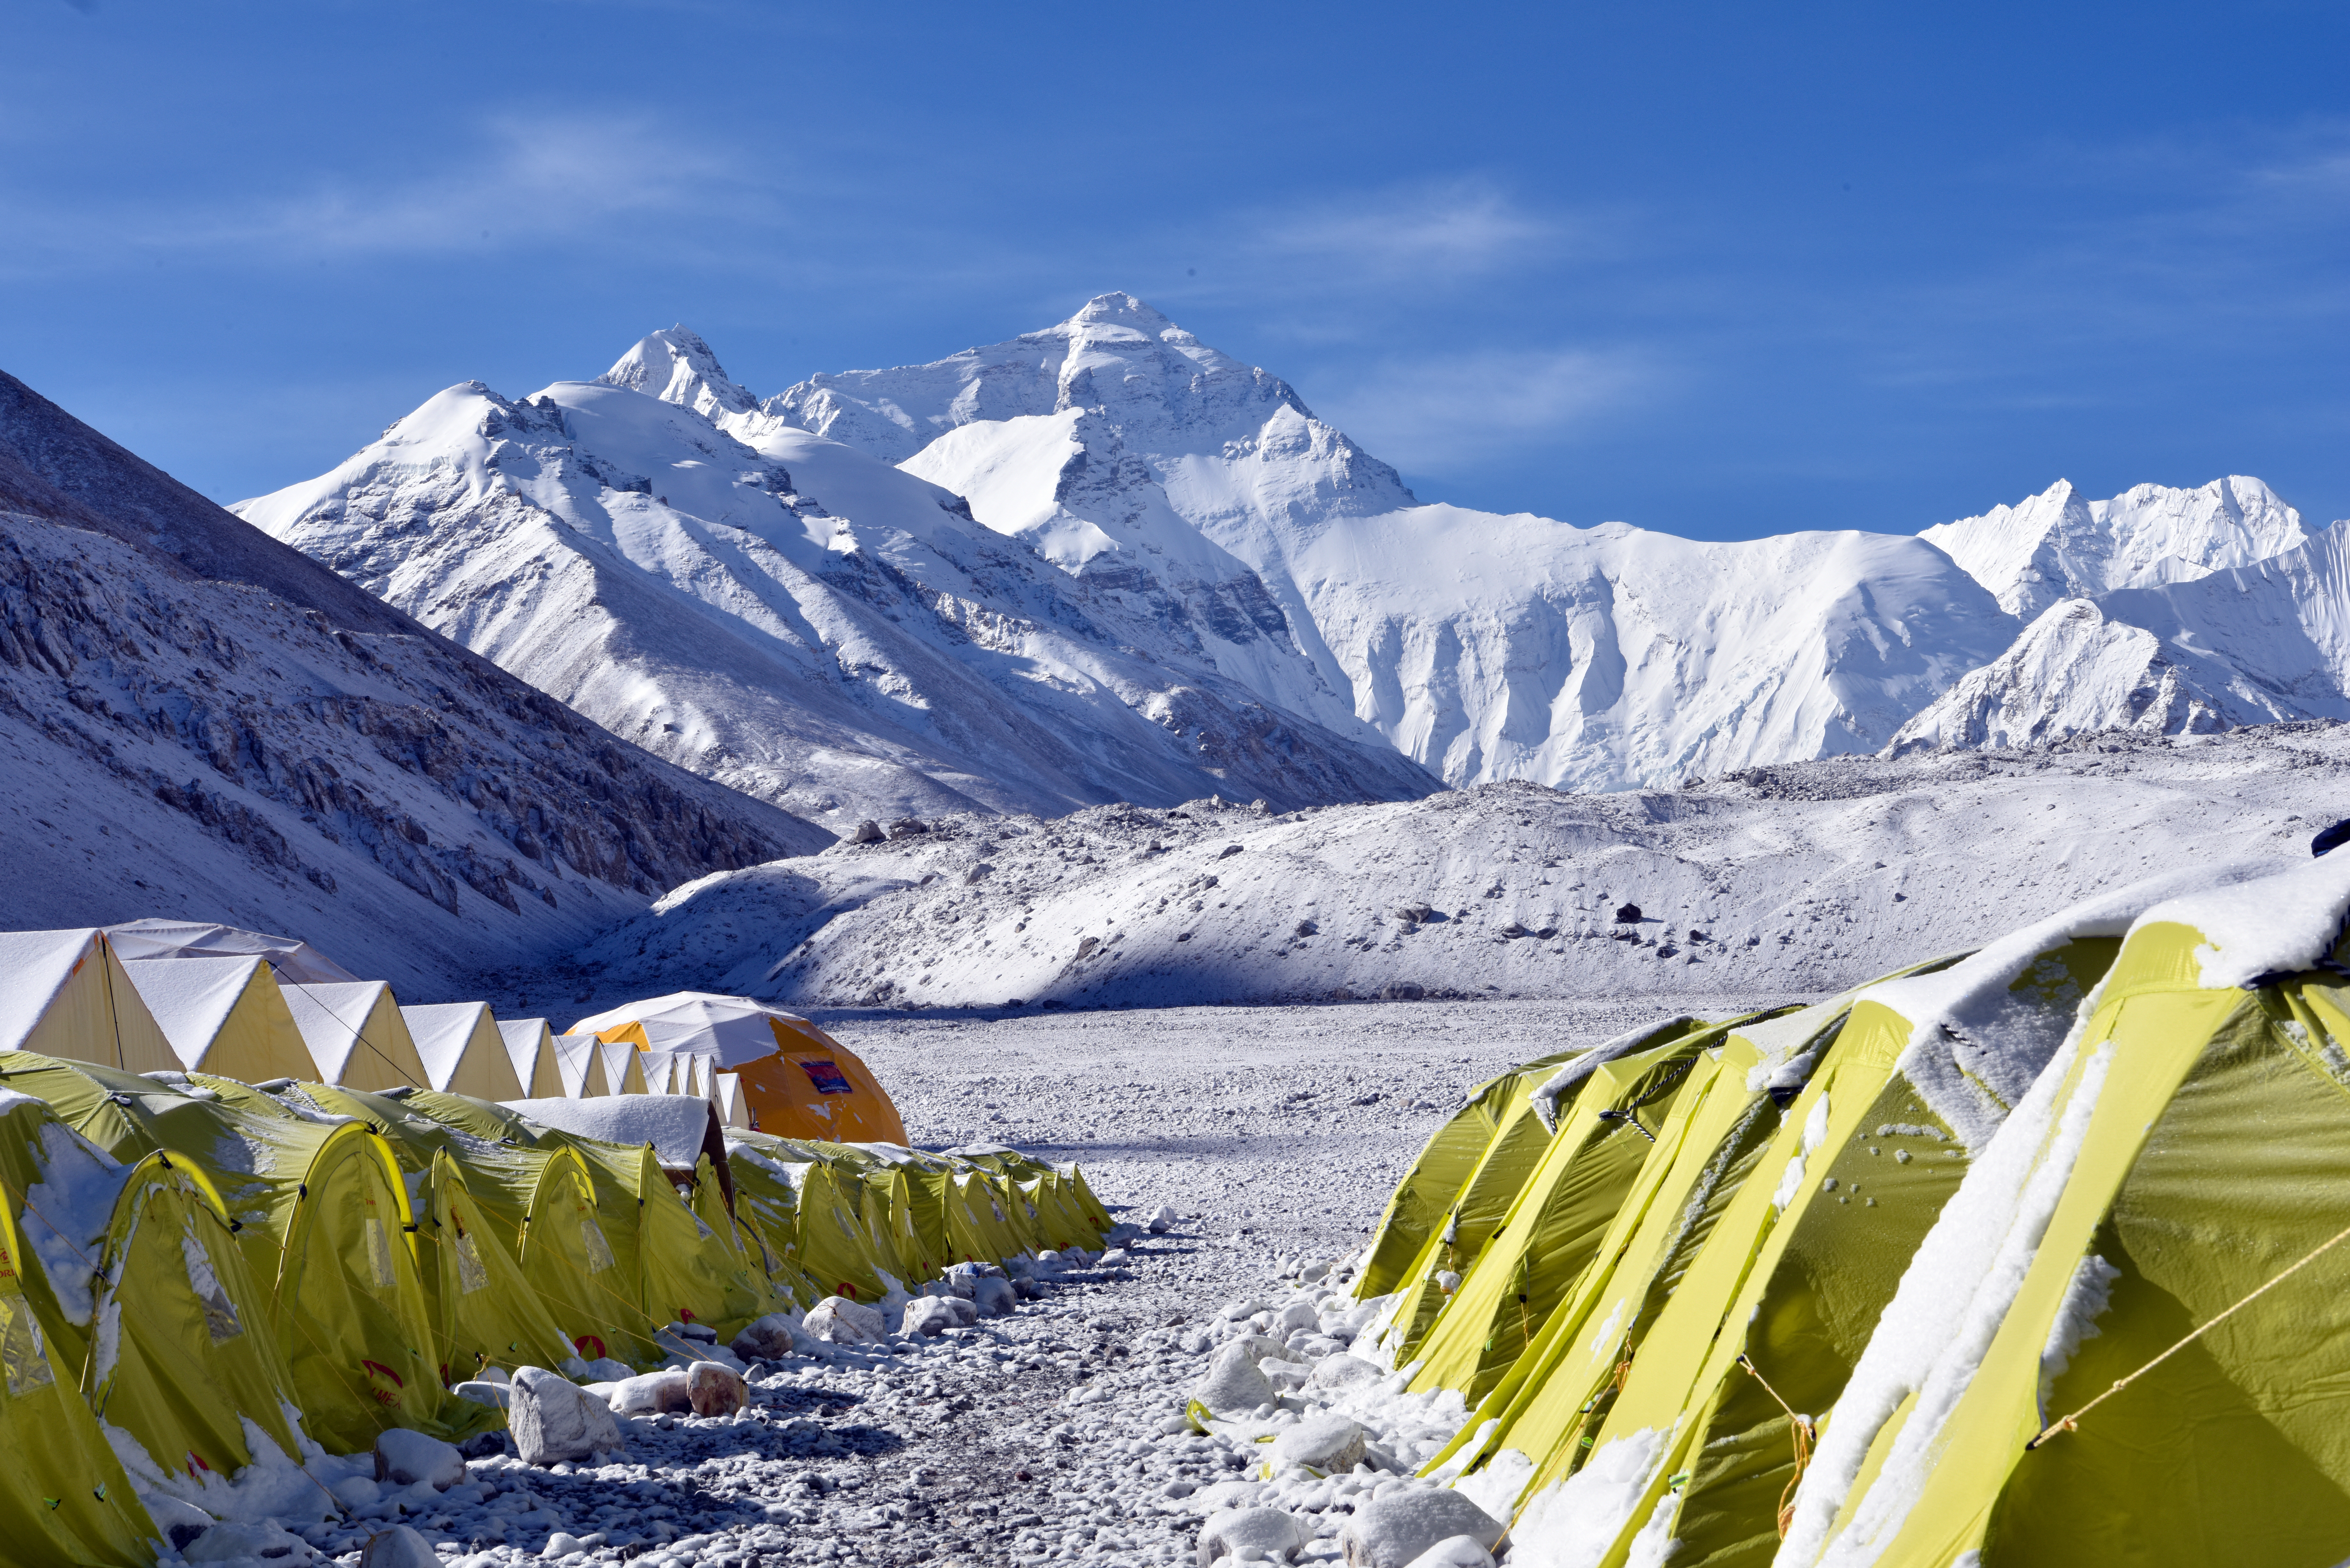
[623, 1069]
[726, 1093]
[662, 1070]
[463, 1050]
[530, 1046]
[294, 959]
[64, 994]
[356, 1034]
[580, 1066]
[224, 1016]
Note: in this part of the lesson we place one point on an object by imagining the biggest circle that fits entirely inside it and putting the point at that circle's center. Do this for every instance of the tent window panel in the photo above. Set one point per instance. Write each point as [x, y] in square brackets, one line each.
[592, 1241]
[22, 1357]
[220, 1313]
[470, 1275]
[378, 1252]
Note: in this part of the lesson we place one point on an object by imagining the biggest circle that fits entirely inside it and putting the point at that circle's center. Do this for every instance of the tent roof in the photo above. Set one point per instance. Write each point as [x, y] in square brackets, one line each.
[331, 1018]
[33, 967]
[575, 1056]
[293, 957]
[443, 1031]
[525, 1038]
[735, 1028]
[191, 1001]
[678, 1127]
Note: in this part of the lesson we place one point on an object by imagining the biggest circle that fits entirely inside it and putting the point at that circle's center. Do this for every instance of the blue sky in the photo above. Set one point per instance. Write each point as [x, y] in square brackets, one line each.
[1719, 270]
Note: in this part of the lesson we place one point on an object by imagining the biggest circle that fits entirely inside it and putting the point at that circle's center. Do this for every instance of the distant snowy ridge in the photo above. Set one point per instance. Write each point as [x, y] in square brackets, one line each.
[799, 620]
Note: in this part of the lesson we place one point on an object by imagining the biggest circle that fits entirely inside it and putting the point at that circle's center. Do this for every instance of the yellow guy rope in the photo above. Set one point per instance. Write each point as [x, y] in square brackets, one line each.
[1803, 1431]
[2070, 1423]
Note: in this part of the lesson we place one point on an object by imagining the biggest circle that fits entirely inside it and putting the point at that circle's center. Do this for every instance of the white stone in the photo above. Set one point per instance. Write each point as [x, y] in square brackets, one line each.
[397, 1546]
[1330, 1444]
[1343, 1370]
[1233, 1381]
[933, 1315]
[553, 1419]
[482, 1391]
[840, 1321]
[1272, 1532]
[652, 1393]
[1161, 1221]
[269, 1540]
[993, 1297]
[1283, 1373]
[404, 1457]
[1398, 1526]
[716, 1390]
[562, 1543]
[1297, 1315]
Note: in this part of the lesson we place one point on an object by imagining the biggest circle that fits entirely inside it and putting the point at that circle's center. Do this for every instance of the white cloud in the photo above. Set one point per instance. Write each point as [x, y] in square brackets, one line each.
[1441, 413]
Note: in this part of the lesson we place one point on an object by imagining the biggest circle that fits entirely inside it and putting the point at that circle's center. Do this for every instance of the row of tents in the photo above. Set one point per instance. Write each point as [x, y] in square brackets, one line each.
[197, 1270]
[170, 996]
[1833, 1284]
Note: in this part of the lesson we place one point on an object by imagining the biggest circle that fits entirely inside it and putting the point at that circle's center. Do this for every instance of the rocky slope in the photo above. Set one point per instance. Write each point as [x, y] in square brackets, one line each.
[197, 721]
[1798, 877]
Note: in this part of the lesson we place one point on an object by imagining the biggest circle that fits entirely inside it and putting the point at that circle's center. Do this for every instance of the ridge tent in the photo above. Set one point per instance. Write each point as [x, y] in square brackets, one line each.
[323, 1211]
[222, 1016]
[726, 1093]
[2187, 1146]
[293, 961]
[66, 994]
[660, 1070]
[796, 1081]
[64, 1497]
[463, 1052]
[355, 1035]
[624, 1071]
[530, 1046]
[580, 1066]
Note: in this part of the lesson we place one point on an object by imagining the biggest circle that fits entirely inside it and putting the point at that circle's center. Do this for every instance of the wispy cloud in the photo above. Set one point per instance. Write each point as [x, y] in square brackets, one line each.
[1437, 233]
[1443, 413]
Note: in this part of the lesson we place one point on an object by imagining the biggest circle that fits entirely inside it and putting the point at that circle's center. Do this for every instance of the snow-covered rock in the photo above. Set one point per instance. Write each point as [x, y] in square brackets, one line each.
[1267, 1532]
[1234, 1382]
[404, 1458]
[839, 1321]
[1398, 1527]
[554, 1419]
[397, 1546]
[1323, 1443]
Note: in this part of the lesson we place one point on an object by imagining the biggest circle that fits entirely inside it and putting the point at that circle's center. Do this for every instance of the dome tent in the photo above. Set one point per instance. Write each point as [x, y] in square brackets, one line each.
[796, 1080]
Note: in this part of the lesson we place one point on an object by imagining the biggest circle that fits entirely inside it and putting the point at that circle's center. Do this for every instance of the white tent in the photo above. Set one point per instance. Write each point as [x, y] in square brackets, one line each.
[224, 1016]
[623, 1071]
[726, 1093]
[66, 994]
[580, 1066]
[291, 958]
[734, 1029]
[356, 1034]
[530, 1045]
[463, 1052]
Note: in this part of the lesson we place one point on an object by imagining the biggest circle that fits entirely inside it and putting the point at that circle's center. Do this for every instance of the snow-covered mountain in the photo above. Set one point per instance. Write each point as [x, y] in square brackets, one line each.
[2060, 545]
[797, 618]
[196, 720]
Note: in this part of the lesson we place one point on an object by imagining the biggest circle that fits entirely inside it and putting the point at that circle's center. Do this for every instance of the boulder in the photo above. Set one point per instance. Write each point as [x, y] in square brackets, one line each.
[1233, 1381]
[404, 1457]
[839, 1321]
[716, 1390]
[397, 1546]
[1394, 1530]
[867, 832]
[554, 1418]
[269, 1540]
[933, 1315]
[1219, 1496]
[1329, 1444]
[1459, 1551]
[1283, 1373]
[1343, 1370]
[770, 1338]
[480, 1391]
[1273, 1534]
[1161, 1221]
[993, 1297]
[1297, 1315]
[654, 1394]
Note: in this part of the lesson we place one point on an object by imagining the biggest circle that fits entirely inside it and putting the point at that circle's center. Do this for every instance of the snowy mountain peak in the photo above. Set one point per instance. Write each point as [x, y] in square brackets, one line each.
[2060, 545]
[677, 367]
[1119, 309]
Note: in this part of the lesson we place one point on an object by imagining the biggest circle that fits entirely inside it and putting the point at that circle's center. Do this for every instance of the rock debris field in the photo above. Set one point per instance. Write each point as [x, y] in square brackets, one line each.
[1275, 1134]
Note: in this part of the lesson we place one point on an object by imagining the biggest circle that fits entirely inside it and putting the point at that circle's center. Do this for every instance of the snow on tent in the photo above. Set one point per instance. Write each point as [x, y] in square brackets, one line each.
[623, 1072]
[463, 1053]
[64, 1495]
[580, 1066]
[796, 1081]
[223, 1015]
[530, 1045]
[356, 1034]
[66, 994]
[295, 961]
[2125, 1340]
[323, 1211]
[726, 1093]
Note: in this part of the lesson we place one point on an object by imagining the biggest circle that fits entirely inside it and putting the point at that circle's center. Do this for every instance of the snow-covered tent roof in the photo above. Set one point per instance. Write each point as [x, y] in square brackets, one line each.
[623, 1072]
[356, 1034]
[461, 1050]
[55, 1002]
[735, 1028]
[292, 957]
[726, 1094]
[530, 1045]
[222, 1016]
[660, 1070]
[580, 1066]
[681, 1128]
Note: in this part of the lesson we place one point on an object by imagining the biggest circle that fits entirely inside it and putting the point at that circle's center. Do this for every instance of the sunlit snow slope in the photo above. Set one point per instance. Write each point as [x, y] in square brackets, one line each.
[792, 616]
[197, 721]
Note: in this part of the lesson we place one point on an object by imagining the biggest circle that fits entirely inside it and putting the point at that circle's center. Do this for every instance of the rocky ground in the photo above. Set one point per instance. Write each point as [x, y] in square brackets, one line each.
[1277, 1133]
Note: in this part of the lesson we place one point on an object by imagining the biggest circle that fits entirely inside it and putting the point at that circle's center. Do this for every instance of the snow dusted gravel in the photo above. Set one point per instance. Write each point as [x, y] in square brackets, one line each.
[1275, 1132]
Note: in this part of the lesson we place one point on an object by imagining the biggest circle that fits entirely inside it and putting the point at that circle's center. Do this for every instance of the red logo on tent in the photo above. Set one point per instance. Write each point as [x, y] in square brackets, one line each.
[827, 1077]
[589, 1346]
